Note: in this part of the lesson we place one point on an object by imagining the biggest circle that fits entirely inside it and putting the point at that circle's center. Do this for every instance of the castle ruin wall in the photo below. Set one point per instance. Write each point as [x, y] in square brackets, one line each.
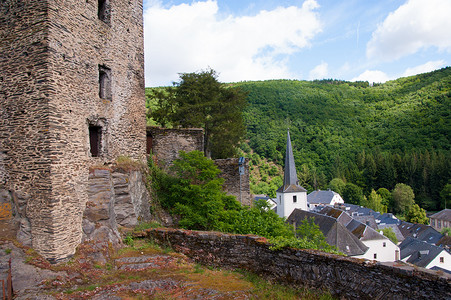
[235, 184]
[166, 143]
[53, 55]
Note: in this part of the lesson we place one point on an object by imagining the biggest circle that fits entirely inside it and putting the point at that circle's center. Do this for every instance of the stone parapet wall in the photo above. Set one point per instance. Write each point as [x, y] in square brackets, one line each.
[235, 184]
[166, 143]
[344, 277]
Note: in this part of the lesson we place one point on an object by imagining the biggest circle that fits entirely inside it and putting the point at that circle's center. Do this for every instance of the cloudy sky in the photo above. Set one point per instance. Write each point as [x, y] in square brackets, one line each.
[373, 40]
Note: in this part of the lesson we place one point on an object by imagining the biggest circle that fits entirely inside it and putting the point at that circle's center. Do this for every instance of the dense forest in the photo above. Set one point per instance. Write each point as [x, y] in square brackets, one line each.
[371, 136]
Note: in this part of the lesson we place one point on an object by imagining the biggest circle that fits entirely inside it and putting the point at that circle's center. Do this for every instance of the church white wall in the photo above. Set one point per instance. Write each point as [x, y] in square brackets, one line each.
[286, 205]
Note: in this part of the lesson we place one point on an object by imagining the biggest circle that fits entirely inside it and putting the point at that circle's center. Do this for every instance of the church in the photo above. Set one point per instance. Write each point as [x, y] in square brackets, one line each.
[290, 195]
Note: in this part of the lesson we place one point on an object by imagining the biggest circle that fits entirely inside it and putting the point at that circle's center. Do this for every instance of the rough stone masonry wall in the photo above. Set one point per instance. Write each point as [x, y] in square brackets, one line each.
[343, 276]
[115, 197]
[50, 60]
[232, 184]
[24, 107]
[167, 143]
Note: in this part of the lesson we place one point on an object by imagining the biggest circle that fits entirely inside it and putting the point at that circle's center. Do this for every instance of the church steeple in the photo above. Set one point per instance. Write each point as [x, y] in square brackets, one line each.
[290, 178]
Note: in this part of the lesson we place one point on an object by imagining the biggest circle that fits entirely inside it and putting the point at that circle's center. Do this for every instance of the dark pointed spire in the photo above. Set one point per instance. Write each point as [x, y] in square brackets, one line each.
[290, 178]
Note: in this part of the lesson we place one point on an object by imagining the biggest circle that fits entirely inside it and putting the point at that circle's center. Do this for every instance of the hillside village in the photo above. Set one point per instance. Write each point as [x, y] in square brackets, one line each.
[357, 231]
[79, 170]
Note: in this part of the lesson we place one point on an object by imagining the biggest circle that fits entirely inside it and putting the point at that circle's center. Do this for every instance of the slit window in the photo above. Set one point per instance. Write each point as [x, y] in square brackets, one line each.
[104, 10]
[104, 82]
[295, 199]
[149, 142]
[95, 135]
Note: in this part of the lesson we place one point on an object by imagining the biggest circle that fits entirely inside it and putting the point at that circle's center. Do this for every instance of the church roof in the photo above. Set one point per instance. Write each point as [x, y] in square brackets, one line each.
[290, 178]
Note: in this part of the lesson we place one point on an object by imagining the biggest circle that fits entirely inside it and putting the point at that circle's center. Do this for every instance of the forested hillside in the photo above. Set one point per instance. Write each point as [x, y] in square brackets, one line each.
[373, 136]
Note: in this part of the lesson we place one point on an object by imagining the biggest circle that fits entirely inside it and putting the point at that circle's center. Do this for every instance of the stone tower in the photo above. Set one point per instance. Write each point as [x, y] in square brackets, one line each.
[290, 195]
[71, 97]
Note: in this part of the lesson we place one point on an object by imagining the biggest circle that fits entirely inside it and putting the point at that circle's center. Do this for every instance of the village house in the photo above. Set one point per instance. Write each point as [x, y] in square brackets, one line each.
[425, 255]
[323, 198]
[441, 220]
[380, 248]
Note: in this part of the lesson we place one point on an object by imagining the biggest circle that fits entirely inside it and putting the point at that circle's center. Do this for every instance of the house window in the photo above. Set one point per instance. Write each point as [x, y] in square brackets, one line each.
[375, 256]
[280, 199]
[439, 224]
[95, 135]
[104, 10]
[384, 244]
[442, 259]
[433, 222]
[295, 199]
[104, 82]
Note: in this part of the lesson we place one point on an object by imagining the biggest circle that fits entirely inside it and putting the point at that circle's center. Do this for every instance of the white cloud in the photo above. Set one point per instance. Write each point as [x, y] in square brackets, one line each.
[424, 68]
[372, 76]
[321, 71]
[191, 37]
[416, 25]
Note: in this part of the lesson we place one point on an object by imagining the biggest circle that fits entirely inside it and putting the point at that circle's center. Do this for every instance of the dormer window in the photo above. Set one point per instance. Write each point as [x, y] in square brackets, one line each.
[104, 11]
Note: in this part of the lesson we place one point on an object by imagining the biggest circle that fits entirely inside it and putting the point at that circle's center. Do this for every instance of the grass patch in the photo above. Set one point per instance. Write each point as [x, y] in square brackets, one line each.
[143, 226]
[263, 289]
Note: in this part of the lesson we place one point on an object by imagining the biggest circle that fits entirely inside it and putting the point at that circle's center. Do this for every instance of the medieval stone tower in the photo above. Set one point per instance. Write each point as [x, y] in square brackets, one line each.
[71, 97]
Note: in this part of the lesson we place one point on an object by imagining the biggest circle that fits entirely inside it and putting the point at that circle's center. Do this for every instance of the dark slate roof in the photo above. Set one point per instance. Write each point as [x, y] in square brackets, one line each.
[336, 234]
[290, 178]
[360, 230]
[420, 231]
[421, 253]
[445, 242]
[388, 218]
[435, 268]
[321, 197]
[338, 214]
[442, 215]
[395, 229]
[367, 220]
[357, 210]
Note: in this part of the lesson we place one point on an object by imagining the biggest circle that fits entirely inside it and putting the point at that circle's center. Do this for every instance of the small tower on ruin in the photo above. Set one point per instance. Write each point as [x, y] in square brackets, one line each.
[71, 97]
[290, 195]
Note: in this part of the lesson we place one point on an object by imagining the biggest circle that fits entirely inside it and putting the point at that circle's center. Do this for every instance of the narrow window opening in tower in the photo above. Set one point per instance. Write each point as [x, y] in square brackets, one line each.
[104, 82]
[149, 142]
[95, 135]
[104, 11]
[295, 199]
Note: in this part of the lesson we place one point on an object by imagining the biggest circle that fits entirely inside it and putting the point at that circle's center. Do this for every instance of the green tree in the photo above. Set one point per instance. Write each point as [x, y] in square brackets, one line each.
[352, 194]
[403, 198]
[390, 234]
[445, 194]
[387, 198]
[196, 194]
[337, 185]
[416, 214]
[446, 231]
[374, 202]
[200, 100]
[310, 231]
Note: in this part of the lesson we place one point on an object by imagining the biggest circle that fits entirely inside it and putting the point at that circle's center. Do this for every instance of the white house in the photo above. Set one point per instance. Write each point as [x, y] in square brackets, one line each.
[290, 195]
[323, 198]
[425, 255]
[380, 248]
